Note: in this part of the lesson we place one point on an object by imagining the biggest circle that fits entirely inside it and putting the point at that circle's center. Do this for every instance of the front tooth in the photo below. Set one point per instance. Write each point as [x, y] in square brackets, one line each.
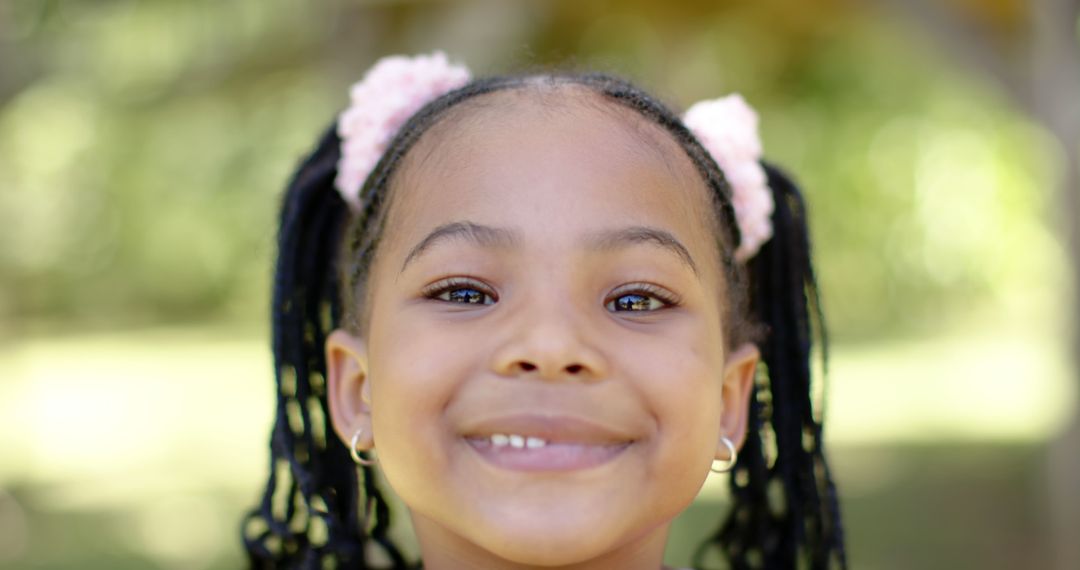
[499, 440]
[517, 441]
[534, 442]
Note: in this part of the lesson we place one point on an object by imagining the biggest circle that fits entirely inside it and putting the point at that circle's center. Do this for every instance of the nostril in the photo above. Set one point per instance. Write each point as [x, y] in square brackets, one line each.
[526, 366]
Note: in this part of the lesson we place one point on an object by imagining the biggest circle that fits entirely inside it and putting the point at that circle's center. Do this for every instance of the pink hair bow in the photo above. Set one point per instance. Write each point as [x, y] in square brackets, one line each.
[389, 93]
[728, 128]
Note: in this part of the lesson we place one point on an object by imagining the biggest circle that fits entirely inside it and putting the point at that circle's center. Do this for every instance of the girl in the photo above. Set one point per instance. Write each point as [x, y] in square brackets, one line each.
[538, 305]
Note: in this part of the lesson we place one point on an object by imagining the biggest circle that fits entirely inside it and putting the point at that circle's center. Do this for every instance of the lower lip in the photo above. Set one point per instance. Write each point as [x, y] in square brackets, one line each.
[550, 457]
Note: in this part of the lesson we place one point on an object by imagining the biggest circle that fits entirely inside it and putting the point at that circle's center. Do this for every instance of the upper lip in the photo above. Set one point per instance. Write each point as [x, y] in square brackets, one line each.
[551, 427]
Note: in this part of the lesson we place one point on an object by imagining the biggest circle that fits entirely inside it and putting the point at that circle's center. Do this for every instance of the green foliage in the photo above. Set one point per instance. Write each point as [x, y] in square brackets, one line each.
[147, 164]
[147, 143]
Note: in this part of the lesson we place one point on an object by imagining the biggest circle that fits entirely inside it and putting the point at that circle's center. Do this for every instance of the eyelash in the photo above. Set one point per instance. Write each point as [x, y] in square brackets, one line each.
[450, 284]
[666, 298]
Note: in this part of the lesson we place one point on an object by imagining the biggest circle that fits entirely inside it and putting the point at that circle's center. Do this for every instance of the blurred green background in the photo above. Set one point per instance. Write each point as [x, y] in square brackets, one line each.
[144, 145]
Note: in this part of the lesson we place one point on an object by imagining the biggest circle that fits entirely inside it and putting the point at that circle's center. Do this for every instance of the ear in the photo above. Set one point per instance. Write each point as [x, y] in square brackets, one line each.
[348, 389]
[738, 384]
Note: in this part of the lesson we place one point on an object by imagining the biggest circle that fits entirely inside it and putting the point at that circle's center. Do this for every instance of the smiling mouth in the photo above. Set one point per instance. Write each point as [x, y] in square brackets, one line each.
[530, 453]
[540, 442]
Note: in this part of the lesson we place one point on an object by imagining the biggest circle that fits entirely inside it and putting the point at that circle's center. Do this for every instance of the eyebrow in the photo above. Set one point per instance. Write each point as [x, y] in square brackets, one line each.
[603, 240]
[484, 236]
[608, 240]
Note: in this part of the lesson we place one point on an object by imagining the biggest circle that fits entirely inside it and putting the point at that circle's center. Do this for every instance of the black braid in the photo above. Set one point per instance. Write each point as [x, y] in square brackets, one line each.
[800, 526]
[772, 305]
[311, 508]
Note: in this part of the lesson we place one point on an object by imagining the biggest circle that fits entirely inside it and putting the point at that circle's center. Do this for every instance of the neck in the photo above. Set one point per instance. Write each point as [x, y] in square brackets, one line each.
[444, 550]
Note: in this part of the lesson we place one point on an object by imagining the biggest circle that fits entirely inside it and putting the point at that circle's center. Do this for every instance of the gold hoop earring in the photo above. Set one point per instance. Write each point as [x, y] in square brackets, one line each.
[729, 464]
[355, 453]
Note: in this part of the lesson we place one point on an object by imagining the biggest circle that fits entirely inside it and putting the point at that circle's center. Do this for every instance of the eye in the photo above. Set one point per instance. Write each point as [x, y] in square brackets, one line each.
[641, 297]
[459, 290]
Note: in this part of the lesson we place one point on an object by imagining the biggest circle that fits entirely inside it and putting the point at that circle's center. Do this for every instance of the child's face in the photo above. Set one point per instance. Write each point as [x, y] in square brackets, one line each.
[560, 343]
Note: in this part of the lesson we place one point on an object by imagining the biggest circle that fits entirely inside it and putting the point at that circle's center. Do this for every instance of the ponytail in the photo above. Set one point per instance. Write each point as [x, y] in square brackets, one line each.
[310, 509]
[785, 512]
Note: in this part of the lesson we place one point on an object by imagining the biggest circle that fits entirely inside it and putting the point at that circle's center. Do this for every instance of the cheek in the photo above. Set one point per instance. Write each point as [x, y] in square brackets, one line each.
[407, 369]
[417, 367]
[414, 369]
[679, 375]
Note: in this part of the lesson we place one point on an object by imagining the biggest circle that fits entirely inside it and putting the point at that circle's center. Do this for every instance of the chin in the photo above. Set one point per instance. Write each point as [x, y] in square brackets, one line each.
[562, 549]
[549, 538]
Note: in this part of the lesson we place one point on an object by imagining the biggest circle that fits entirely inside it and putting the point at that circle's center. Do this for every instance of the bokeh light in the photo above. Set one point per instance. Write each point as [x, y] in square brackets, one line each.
[144, 145]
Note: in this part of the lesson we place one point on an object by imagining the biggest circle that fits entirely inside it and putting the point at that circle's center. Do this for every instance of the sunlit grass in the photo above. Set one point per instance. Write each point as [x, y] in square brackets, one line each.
[1002, 384]
[133, 411]
[153, 425]
[149, 412]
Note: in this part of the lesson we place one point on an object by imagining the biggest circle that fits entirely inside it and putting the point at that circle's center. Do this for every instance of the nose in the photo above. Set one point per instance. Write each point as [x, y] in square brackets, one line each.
[550, 345]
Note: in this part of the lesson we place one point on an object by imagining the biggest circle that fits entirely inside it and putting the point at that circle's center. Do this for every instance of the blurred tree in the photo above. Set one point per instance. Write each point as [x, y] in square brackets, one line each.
[147, 137]
[1032, 49]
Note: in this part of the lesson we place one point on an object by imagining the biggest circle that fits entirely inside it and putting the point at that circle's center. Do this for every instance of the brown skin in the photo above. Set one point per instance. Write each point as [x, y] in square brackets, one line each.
[548, 338]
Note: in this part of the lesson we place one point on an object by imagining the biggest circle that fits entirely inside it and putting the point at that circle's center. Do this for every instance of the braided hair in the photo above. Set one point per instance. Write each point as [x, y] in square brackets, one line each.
[320, 509]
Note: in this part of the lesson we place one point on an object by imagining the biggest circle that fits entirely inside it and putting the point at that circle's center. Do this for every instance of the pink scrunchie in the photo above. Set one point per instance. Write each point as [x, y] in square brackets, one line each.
[390, 92]
[728, 128]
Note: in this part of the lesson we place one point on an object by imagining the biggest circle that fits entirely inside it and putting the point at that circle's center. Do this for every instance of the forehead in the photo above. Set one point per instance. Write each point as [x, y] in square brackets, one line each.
[561, 161]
